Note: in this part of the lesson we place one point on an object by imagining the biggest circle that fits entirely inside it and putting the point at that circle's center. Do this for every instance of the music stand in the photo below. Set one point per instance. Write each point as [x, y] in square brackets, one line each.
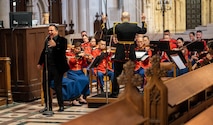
[178, 58]
[159, 46]
[195, 46]
[95, 62]
[163, 45]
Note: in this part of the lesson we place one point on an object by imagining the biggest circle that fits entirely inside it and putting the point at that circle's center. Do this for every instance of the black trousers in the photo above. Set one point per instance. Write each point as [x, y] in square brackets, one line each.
[118, 67]
[56, 76]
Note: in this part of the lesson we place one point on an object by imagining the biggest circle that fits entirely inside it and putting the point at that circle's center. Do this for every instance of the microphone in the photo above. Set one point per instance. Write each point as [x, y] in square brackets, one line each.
[47, 36]
[46, 43]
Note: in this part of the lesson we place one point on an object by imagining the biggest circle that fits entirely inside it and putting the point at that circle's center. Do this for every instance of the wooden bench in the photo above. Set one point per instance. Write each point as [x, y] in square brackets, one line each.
[204, 118]
[126, 110]
[189, 94]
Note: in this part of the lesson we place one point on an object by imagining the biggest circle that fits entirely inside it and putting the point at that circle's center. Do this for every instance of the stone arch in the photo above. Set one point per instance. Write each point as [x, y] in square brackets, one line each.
[40, 7]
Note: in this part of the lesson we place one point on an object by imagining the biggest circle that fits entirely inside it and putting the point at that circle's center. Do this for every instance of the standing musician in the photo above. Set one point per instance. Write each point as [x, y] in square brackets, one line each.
[125, 32]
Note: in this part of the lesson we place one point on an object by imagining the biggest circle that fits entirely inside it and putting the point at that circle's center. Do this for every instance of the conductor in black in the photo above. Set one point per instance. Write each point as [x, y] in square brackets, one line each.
[125, 33]
[56, 64]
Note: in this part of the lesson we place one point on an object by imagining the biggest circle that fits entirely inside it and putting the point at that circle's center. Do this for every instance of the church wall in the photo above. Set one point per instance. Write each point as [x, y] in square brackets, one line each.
[4, 12]
[211, 11]
[175, 17]
[207, 10]
[82, 12]
[179, 14]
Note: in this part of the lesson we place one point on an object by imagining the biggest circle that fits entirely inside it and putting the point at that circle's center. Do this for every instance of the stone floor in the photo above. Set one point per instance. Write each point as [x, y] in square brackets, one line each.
[28, 113]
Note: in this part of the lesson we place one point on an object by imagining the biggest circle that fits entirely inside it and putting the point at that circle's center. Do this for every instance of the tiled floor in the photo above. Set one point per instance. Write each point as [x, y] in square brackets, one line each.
[28, 113]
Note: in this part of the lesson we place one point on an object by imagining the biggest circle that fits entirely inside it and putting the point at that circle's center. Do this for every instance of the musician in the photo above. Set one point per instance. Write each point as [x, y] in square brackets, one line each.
[185, 52]
[93, 45]
[105, 65]
[183, 49]
[205, 58]
[142, 64]
[167, 37]
[125, 33]
[147, 43]
[194, 55]
[83, 33]
[192, 37]
[85, 43]
[77, 62]
[199, 35]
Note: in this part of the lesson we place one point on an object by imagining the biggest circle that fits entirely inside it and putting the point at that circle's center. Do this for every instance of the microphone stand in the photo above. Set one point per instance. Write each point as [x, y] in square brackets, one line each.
[48, 112]
[107, 95]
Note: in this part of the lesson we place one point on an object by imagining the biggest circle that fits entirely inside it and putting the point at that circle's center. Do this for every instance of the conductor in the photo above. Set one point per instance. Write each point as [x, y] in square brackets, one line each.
[125, 33]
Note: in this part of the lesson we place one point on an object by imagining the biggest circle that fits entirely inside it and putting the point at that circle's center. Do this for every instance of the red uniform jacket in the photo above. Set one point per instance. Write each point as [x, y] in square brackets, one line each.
[85, 46]
[172, 44]
[76, 63]
[106, 63]
[143, 64]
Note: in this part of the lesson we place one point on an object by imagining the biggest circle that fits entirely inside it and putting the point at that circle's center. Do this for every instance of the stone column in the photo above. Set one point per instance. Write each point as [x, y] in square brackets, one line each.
[211, 11]
[64, 11]
[46, 18]
[82, 14]
[4, 12]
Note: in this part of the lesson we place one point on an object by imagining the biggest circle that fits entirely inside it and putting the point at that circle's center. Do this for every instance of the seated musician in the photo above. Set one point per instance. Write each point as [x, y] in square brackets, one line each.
[77, 62]
[199, 39]
[86, 42]
[172, 44]
[185, 52]
[167, 37]
[140, 64]
[92, 46]
[105, 65]
[147, 43]
[194, 55]
[205, 58]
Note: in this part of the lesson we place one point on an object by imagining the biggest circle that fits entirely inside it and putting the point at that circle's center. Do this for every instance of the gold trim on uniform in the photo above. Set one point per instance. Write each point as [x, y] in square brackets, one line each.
[126, 42]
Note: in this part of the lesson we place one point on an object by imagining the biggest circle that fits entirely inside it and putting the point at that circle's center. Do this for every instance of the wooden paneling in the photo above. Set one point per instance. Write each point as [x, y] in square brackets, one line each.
[24, 46]
[5, 78]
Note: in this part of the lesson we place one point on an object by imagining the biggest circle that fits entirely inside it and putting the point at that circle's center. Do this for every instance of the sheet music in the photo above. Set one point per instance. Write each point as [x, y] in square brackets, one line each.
[178, 61]
[141, 55]
[144, 57]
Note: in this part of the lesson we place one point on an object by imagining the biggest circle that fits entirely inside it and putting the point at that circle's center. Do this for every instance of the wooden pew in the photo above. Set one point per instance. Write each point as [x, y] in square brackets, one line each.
[125, 111]
[204, 118]
[173, 102]
[189, 94]
[117, 113]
